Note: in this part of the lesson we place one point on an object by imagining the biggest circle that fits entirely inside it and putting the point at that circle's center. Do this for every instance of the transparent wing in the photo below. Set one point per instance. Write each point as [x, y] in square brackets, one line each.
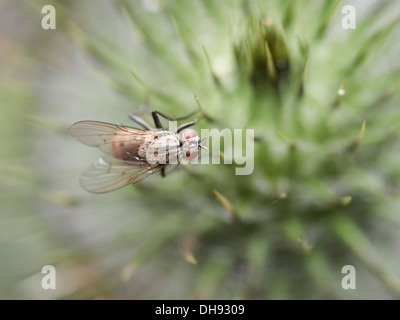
[100, 134]
[108, 174]
[171, 167]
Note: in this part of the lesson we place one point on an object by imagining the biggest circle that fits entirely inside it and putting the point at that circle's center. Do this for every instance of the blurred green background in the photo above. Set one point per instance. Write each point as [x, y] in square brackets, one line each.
[325, 190]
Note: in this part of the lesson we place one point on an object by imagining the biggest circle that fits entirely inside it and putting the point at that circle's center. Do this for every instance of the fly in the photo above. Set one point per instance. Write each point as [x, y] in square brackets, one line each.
[132, 154]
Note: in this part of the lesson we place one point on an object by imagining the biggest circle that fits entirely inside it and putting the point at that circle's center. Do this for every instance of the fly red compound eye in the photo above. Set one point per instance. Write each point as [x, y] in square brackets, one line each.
[189, 133]
[190, 155]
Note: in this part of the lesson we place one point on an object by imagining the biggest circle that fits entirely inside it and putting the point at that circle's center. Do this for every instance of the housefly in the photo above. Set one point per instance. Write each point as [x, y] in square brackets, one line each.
[132, 154]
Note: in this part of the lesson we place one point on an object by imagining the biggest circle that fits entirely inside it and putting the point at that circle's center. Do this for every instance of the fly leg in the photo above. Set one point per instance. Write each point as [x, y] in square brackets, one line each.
[157, 121]
[166, 170]
[175, 119]
[186, 125]
[140, 121]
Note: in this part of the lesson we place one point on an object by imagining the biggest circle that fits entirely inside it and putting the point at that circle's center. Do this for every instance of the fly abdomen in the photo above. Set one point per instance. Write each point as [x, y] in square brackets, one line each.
[128, 147]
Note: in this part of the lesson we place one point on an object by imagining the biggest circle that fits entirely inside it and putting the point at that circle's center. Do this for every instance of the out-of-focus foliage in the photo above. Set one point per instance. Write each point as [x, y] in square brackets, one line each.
[323, 102]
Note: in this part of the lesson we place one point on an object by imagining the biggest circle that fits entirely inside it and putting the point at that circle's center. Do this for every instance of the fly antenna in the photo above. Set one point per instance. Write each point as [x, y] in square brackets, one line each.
[201, 145]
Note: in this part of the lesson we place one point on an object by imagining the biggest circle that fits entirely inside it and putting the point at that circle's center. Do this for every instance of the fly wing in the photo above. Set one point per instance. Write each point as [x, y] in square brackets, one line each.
[171, 167]
[108, 174]
[102, 134]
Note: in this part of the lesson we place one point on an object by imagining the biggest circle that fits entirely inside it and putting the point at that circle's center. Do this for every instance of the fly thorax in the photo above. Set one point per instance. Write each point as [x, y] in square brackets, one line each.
[164, 149]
